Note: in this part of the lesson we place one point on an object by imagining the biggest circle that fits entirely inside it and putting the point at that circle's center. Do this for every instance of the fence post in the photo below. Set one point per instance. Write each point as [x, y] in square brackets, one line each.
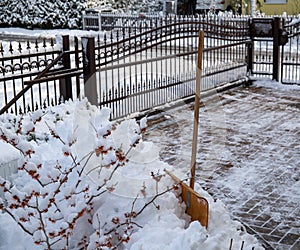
[276, 48]
[83, 20]
[89, 69]
[250, 52]
[65, 84]
[77, 64]
[99, 22]
[250, 49]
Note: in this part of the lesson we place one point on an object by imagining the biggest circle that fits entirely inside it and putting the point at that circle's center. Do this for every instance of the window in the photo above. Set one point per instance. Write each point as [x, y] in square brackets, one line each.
[275, 1]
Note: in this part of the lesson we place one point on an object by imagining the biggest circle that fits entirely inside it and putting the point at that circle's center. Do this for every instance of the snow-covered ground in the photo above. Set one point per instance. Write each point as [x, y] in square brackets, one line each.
[169, 226]
[248, 155]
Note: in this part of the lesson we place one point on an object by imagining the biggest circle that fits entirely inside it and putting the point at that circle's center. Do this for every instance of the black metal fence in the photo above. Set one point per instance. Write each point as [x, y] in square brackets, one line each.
[20, 63]
[276, 49]
[155, 67]
[290, 52]
[272, 57]
[23, 68]
[134, 69]
[265, 34]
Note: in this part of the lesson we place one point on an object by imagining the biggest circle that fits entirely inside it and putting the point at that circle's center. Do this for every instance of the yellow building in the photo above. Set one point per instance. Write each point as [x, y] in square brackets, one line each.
[273, 7]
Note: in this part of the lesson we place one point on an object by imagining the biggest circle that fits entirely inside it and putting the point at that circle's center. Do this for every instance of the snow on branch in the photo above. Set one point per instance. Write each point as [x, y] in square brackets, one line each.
[57, 201]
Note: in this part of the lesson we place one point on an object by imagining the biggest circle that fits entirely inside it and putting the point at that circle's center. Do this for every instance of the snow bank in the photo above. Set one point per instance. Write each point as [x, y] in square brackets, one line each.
[276, 85]
[165, 228]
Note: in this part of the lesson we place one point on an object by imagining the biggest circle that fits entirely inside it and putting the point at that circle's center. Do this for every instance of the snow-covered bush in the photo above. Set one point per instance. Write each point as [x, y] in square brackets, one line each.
[65, 200]
[63, 13]
[86, 183]
[41, 14]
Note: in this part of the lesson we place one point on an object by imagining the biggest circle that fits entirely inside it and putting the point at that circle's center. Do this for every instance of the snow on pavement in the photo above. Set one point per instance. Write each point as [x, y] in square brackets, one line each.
[166, 228]
[248, 157]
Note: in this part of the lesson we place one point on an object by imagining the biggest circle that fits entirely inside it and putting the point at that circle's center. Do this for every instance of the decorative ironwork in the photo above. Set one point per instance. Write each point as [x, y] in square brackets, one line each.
[143, 66]
[22, 63]
[155, 67]
[290, 54]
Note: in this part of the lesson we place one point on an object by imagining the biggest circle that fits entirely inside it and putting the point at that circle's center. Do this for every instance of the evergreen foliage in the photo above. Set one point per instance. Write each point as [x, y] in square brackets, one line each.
[62, 13]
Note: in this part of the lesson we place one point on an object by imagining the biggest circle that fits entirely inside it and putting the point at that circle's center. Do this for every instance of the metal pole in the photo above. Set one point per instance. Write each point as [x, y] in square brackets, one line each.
[83, 20]
[196, 108]
[276, 48]
[65, 84]
[99, 22]
[252, 7]
[89, 69]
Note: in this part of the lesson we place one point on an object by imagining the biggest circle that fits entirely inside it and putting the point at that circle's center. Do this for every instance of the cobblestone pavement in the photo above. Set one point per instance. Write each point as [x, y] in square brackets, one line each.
[248, 156]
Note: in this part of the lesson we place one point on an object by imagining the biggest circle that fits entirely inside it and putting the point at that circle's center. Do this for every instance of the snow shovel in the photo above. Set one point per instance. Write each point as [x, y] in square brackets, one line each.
[196, 206]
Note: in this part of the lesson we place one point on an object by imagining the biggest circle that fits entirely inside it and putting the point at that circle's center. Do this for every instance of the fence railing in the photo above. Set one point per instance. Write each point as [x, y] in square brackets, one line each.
[33, 80]
[268, 58]
[145, 68]
[290, 53]
[276, 49]
[151, 68]
[19, 64]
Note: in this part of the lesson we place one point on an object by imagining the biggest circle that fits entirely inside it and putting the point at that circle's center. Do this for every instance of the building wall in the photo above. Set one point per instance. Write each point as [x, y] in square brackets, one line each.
[291, 7]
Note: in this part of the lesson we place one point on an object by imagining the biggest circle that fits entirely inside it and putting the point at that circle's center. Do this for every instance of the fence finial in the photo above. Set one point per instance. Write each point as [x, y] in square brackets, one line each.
[28, 45]
[20, 47]
[1, 49]
[11, 48]
[36, 45]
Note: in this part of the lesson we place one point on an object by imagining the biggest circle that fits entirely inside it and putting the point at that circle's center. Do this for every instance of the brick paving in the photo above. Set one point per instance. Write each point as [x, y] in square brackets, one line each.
[249, 157]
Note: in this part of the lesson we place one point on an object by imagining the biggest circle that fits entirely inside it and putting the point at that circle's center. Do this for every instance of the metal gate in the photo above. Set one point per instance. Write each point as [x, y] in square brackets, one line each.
[275, 49]
[290, 57]
[265, 35]
[143, 71]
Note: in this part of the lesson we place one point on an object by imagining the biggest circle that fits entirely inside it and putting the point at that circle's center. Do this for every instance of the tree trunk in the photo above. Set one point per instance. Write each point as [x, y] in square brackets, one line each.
[253, 7]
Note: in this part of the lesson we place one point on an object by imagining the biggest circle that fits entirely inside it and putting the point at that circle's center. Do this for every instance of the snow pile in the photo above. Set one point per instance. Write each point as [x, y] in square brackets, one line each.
[106, 200]
[276, 85]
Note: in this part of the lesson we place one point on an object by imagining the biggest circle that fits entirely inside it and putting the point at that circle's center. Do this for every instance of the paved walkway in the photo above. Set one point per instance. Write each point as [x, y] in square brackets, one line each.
[249, 157]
